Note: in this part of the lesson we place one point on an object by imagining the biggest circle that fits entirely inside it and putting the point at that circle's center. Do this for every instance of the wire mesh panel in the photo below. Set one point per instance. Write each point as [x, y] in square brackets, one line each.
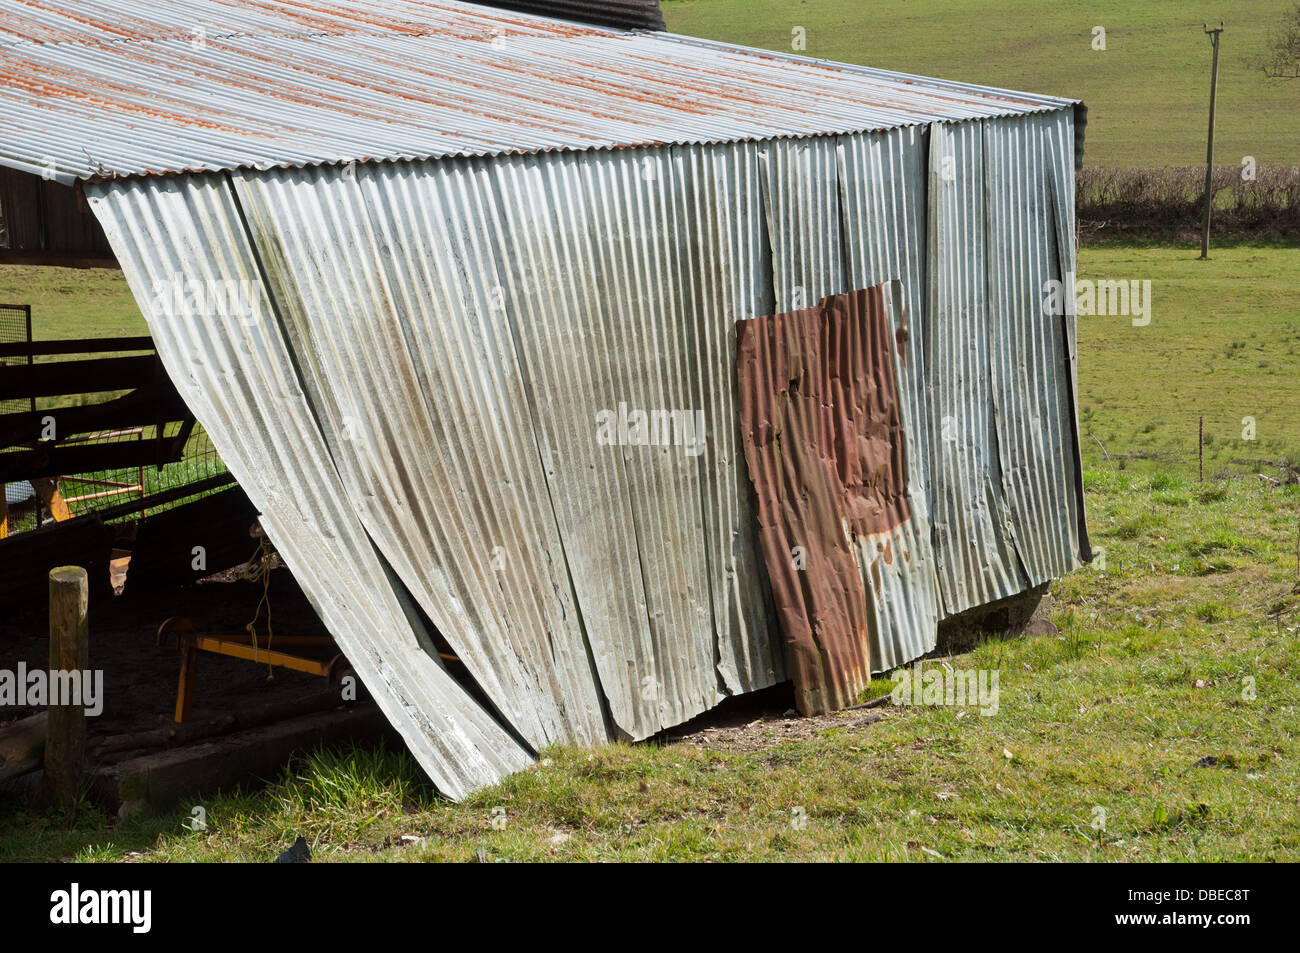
[15, 328]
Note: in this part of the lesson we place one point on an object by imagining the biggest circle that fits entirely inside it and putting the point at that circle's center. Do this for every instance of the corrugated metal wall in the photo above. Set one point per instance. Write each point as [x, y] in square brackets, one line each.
[440, 340]
[728, 279]
[239, 377]
[883, 219]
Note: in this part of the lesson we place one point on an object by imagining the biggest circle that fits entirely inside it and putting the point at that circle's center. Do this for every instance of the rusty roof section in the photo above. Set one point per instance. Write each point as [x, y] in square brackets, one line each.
[93, 89]
[821, 423]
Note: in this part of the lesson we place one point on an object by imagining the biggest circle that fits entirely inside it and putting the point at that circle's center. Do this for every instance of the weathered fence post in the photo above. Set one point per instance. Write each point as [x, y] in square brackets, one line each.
[65, 744]
[1209, 144]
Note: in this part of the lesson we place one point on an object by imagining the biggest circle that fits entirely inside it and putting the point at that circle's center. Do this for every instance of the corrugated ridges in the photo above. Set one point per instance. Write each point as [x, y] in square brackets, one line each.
[791, 428]
[728, 265]
[1031, 386]
[594, 290]
[801, 205]
[883, 211]
[426, 417]
[976, 561]
[115, 21]
[821, 410]
[238, 378]
[358, 85]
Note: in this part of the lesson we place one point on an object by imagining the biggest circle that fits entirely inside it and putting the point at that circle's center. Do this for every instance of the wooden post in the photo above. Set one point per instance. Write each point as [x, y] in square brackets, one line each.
[1209, 148]
[65, 745]
[1200, 450]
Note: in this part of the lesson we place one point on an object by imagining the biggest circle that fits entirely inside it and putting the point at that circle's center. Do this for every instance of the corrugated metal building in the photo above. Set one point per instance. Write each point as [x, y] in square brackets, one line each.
[434, 261]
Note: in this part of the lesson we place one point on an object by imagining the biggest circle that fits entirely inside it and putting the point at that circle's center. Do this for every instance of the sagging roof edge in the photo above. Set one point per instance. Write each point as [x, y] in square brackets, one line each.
[1079, 110]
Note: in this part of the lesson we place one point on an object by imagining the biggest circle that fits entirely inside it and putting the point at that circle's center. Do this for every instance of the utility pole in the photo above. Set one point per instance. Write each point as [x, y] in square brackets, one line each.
[1209, 148]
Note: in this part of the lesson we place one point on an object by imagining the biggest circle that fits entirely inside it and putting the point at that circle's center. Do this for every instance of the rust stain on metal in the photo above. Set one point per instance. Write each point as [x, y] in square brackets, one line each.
[821, 424]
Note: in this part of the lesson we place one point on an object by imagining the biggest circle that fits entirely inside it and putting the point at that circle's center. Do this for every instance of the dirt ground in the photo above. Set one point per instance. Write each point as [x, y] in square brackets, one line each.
[140, 677]
[764, 719]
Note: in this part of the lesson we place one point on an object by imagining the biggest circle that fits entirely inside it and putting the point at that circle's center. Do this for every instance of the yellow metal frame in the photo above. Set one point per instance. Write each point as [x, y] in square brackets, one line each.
[244, 647]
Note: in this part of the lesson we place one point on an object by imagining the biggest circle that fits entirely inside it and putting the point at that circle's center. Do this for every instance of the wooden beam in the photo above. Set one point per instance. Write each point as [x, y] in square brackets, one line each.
[54, 379]
[59, 259]
[62, 460]
[140, 408]
[215, 482]
[75, 346]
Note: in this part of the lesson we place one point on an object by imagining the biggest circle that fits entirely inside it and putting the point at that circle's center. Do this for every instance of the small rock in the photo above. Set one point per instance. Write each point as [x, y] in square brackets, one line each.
[299, 853]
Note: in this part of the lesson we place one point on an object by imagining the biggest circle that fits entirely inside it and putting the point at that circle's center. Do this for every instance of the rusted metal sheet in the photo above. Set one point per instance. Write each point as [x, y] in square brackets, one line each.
[94, 89]
[822, 426]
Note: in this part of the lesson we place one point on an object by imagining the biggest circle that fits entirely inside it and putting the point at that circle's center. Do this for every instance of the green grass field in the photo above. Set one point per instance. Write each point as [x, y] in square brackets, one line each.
[73, 302]
[1223, 343]
[1147, 93]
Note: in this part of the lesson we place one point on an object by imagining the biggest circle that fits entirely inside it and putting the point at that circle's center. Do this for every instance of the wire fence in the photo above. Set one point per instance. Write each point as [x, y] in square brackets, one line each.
[88, 492]
[15, 328]
[105, 491]
[1192, 447]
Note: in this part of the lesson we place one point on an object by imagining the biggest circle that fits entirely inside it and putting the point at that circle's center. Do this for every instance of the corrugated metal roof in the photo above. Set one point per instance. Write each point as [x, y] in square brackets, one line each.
[96, 89]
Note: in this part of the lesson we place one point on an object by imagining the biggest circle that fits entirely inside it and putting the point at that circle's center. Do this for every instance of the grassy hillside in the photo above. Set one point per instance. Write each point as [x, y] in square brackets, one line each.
[1147, 94]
